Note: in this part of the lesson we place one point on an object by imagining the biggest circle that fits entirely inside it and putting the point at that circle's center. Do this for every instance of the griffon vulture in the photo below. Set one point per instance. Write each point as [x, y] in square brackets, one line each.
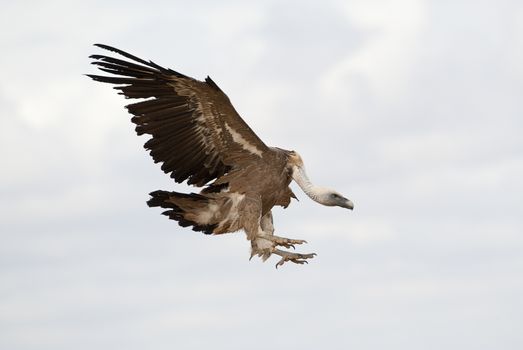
[198, 136]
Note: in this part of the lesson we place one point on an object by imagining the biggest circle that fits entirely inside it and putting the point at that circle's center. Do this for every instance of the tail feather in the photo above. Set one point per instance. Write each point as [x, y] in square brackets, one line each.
[188, 209]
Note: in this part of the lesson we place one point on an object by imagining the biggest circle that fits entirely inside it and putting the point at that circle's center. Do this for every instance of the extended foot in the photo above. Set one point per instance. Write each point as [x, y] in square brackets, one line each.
[292, 257]
[284, 242]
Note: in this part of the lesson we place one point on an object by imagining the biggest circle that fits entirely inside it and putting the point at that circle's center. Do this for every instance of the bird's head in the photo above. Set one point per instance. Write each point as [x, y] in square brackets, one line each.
[332, 198]
[322, 195]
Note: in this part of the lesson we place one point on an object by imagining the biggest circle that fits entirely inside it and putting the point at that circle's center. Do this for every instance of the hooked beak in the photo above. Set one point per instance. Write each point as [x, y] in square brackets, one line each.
[348, 204]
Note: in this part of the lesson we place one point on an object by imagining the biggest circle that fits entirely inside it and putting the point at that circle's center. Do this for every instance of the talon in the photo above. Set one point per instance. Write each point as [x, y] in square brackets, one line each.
[284, 242]
[280, 263]
[292, 257]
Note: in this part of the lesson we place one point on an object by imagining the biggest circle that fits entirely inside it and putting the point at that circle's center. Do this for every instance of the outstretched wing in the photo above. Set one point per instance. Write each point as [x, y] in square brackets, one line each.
[196, 132]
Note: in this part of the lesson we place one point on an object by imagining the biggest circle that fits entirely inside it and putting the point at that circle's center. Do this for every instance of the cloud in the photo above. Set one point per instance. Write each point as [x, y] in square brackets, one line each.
[383, 64]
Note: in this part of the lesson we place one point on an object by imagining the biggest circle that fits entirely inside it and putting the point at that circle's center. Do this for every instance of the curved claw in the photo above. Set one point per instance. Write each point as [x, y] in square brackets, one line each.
[292, 257]
[297, 261]
[285, 242]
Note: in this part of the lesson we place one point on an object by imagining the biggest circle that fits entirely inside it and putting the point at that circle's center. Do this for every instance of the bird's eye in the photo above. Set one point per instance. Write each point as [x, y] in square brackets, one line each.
[334, 195]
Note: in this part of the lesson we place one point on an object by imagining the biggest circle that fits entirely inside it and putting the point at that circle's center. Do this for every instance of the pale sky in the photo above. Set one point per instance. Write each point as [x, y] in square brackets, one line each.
[411, 108]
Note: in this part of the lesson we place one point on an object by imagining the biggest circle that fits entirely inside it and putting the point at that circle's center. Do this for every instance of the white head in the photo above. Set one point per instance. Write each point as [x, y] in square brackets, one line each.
[331, 198]
[319, 194]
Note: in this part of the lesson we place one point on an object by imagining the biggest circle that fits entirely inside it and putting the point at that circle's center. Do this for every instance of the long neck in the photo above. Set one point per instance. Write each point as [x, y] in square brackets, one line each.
[300, 176]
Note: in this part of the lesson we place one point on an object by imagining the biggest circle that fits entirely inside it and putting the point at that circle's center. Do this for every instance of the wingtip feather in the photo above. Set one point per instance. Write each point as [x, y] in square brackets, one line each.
[105, 47]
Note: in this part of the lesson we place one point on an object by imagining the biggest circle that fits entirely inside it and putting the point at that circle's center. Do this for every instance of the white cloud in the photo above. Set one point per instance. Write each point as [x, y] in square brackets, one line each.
[383, 63]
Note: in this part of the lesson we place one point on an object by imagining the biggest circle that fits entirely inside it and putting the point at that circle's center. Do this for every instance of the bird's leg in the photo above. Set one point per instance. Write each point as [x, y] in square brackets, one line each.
[292, 257]
[267, 227]
[264, 244]
[262, 247]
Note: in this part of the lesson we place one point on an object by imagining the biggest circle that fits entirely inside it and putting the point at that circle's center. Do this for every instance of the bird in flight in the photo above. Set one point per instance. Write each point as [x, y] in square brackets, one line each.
[198, 136]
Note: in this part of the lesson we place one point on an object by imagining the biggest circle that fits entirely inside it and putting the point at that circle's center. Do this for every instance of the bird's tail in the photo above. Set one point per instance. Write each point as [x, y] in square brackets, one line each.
[196, 210]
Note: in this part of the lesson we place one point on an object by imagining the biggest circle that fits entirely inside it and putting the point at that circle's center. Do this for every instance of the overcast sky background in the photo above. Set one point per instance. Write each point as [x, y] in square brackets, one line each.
[411, 108]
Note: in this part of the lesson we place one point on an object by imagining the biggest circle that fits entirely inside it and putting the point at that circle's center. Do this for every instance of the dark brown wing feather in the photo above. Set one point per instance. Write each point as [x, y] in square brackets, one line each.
[196, 132]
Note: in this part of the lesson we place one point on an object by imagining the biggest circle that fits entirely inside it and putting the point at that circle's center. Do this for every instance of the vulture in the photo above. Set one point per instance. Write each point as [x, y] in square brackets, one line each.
[198, 136]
